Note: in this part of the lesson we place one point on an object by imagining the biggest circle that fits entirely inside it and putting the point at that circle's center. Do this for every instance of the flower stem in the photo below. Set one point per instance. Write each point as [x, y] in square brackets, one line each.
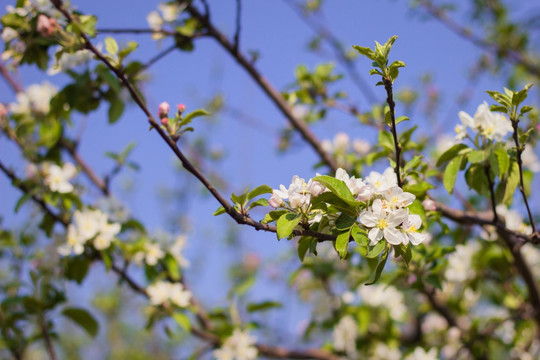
[390, 100]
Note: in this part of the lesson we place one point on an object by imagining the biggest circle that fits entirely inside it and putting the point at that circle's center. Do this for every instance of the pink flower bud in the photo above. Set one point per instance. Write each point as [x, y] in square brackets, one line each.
[275, 201]
[164, 110]
[46, 26]
[429, 205]
[181, 108]
[3, 111]
[164, 121]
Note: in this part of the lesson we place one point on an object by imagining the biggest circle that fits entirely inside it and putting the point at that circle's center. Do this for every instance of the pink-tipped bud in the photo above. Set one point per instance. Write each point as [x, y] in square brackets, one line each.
[181, 108]
[164, 110]
[46, 26]
[3, 111]
[164, 121]
[429, 205]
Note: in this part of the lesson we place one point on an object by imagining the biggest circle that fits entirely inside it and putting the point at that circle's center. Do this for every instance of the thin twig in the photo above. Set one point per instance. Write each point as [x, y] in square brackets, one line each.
[390, 100]
[47, 337]
[157, 57]
[17, 88]
[272, 93]
[135, 31]
[520, 166]
[238, 25]
[492, 194]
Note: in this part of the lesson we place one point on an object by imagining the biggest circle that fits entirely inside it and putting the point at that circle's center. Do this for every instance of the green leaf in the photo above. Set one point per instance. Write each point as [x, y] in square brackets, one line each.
[116, 109]
[525, 109]
[512, 182]
[344, 222]
[365, 51]
[303, 246]
[498, 108]
[450, 153]
[258, 202]
[194, 114]
[342, 244]
[172, 267]
[82, 318]
[375, 275]
[273, 216]
[359, 235]
[219, 211]
[476, 179]
[244, 286]
[499, 162]
[286, 223]
[348, 208]
[111, 45]
[386, 140]
[477, 156]
[131, 46]
[263, 306]
[76, 268]
[239, 199]
[401, 118]
[450, 173]
[259, 190]
[375, 250]
[336, 186]
[182, 320]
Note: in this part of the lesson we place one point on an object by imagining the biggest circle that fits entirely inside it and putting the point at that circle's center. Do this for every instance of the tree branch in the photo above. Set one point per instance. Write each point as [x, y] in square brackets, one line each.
[272, 93]
[397, 147]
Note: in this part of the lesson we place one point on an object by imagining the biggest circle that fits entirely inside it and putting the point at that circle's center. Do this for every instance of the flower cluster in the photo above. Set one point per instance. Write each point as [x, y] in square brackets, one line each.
[168, 12]
[341, 146]
[491, 125]
[385, 215]
[239, 346]
[35, 100]
[297, 197]
[57, 177]
[163, 292]
[88, 225]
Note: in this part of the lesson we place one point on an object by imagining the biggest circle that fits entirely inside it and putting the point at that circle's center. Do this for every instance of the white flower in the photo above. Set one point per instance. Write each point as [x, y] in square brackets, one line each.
[170, 11]
[299, 193]
[383, 223]
[344, 335]
[492, 125]
[163, 292]
[151, 254]
[421, 354]
[106, 235]
[433, 322]
[155, 22]
[529, 159]
[460, 262]
[74, 243]
[68, 61]
[410, 229]
[341, 142]
[57, 178]
[384, 296]
[176, 251]
[361, 147]
[396, 198]
[89, 222]
[239, 346]
[383, 352]
[513, 220]
[9, 34]
[382, 182]
[36, 99]
[357, 187]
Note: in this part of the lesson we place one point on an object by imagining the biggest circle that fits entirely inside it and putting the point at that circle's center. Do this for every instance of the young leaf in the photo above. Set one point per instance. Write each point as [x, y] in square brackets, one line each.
[342, 243]
[194, 114]
[111, 46]
[182, 320]
[263, 306]
[82, 318]
[512, 181]
[375, 275]
[450, 153]
[450, 173]
[286, 223]
[303, 246]
[336, 186]
[259, 190]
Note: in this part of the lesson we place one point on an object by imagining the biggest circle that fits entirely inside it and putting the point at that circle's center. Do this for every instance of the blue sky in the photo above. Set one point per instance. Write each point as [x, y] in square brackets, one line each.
[251, 157]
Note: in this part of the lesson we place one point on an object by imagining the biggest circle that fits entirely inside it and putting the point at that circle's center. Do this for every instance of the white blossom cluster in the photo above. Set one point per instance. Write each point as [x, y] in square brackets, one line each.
[491, 125]
[388, 297]
[163, 292]
[88, 225]
[386, 215]
[57, 177]
[168, 12]
[345, 334]
[239, 346]
[460, 262]
[35, 100]
[342, 145]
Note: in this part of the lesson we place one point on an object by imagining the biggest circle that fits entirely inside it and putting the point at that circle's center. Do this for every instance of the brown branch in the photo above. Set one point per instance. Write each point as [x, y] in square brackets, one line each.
[135, 31]
[272, 93]
[520, 166]
[15, 86]
[397, 147]
[47, 337]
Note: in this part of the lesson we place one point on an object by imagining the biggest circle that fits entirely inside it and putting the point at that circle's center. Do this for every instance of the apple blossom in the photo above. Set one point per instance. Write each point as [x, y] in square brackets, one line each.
[163, 110]
[382, 182]
[106, 235]
[361, 190]
[57, 178]
[46, 26]
[383, 223]
[163, 292]
[151, 254]
[421, 354]
[396, 198]
[74, 243]
[35, 99]
[345, 334]
[239, 346]
[176, 251]
[384, 296]
[459, 262]
[410, 229]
